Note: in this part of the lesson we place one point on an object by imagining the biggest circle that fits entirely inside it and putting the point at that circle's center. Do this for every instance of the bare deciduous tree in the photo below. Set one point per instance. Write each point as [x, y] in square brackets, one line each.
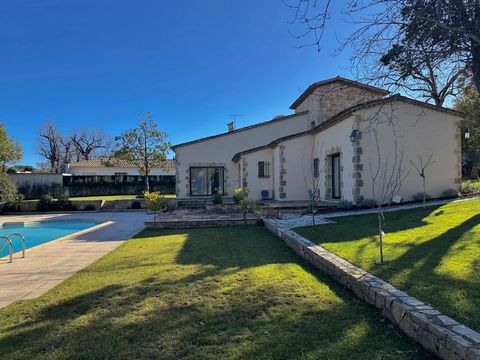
[427, 47]
[312, 176]
[421, 168]
[90, 143]
[387, 175]
[49, 143]
[67, 150]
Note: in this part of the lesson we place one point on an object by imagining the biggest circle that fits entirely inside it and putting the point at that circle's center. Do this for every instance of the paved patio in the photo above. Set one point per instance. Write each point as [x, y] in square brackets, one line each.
[47, 265]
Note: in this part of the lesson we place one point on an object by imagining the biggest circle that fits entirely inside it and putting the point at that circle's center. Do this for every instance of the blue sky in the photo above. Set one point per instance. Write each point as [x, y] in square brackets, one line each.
[97, 63]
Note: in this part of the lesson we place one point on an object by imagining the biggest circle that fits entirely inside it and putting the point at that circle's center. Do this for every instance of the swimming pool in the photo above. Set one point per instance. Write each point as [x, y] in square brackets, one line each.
[40, 232]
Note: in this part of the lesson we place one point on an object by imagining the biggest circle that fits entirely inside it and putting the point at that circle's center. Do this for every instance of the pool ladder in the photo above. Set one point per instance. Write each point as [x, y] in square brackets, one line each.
[7, 240]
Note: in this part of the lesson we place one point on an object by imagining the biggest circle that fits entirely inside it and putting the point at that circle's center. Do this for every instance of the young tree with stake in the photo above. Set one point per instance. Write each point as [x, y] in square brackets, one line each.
[421, 167]
[387, 175]
[312, 175]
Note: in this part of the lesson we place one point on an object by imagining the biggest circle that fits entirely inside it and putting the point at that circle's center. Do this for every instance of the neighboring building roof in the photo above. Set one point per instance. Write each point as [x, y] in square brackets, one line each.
[119, 163]
[241, 129]
[346, 114]
[340, 79]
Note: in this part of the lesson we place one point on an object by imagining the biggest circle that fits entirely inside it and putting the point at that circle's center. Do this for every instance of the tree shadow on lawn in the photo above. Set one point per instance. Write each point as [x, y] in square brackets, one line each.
[416, 271]
[237, 306]
[366, 226]
[422, 268]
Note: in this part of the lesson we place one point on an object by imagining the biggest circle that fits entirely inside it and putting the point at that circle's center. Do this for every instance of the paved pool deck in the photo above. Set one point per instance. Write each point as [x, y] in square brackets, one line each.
[47, 265]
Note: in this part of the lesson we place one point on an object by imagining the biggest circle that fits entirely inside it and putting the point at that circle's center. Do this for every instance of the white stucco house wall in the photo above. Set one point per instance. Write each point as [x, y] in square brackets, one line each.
[99, 167]
[341, 136]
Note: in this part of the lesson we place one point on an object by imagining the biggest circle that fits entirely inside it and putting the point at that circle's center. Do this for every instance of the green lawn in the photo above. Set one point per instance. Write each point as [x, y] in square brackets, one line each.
[432, 253]
[112, 197]
[230, 293]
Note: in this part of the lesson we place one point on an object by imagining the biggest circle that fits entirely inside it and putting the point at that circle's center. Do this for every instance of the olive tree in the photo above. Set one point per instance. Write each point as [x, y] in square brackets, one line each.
[155, 202]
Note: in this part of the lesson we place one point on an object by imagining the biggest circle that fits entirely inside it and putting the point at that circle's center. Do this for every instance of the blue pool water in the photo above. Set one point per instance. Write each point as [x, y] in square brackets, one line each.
[37, 233]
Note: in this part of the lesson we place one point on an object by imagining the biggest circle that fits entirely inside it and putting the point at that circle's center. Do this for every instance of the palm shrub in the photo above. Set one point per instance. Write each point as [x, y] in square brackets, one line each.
[155, 202]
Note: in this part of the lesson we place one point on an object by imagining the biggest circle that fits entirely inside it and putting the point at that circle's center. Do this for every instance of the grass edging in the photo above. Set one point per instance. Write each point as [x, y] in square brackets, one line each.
[436, 332]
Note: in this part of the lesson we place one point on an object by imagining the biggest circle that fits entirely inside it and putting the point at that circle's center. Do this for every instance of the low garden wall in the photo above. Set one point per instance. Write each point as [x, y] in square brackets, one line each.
[79, 205]
[436, 332]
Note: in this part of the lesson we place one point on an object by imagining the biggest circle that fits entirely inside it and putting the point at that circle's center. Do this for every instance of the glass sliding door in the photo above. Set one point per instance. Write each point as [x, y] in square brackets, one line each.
[206, 181]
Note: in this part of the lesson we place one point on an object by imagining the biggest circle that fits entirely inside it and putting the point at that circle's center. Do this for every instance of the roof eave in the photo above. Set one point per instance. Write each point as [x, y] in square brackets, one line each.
[238, 130]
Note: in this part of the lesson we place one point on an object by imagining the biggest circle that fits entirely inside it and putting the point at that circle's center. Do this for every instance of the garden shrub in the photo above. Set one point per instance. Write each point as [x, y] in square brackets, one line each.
[14, 205]
[136, 205]
[217, 199]
[469, 188]
[450, 193]
[419, 196]
[345, 205]
[35, 191]
[63, 200]
[46, 203]
[247, 205]
[8, 190]
[368, 203]
[155, 202]
[90, 207]
[239, 194]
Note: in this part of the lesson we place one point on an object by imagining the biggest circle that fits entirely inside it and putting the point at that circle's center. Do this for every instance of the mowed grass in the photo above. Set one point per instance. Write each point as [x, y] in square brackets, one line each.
[229, 293]
[113, 197]
[432, 253]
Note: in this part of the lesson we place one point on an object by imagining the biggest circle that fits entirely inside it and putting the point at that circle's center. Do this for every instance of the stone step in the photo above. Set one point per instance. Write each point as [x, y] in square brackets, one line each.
[191, 204]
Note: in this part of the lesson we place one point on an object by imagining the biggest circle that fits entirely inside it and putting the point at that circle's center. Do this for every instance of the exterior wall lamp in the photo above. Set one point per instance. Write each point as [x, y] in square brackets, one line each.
[467, 134]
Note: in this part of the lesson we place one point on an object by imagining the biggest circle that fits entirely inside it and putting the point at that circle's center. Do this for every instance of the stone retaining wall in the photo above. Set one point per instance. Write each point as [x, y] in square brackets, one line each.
[186, 224]
[436, 332]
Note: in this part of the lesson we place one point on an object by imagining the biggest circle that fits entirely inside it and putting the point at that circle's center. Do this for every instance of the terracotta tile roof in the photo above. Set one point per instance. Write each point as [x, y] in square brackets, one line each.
[120, 163]
[339, 79]
[346, 114]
